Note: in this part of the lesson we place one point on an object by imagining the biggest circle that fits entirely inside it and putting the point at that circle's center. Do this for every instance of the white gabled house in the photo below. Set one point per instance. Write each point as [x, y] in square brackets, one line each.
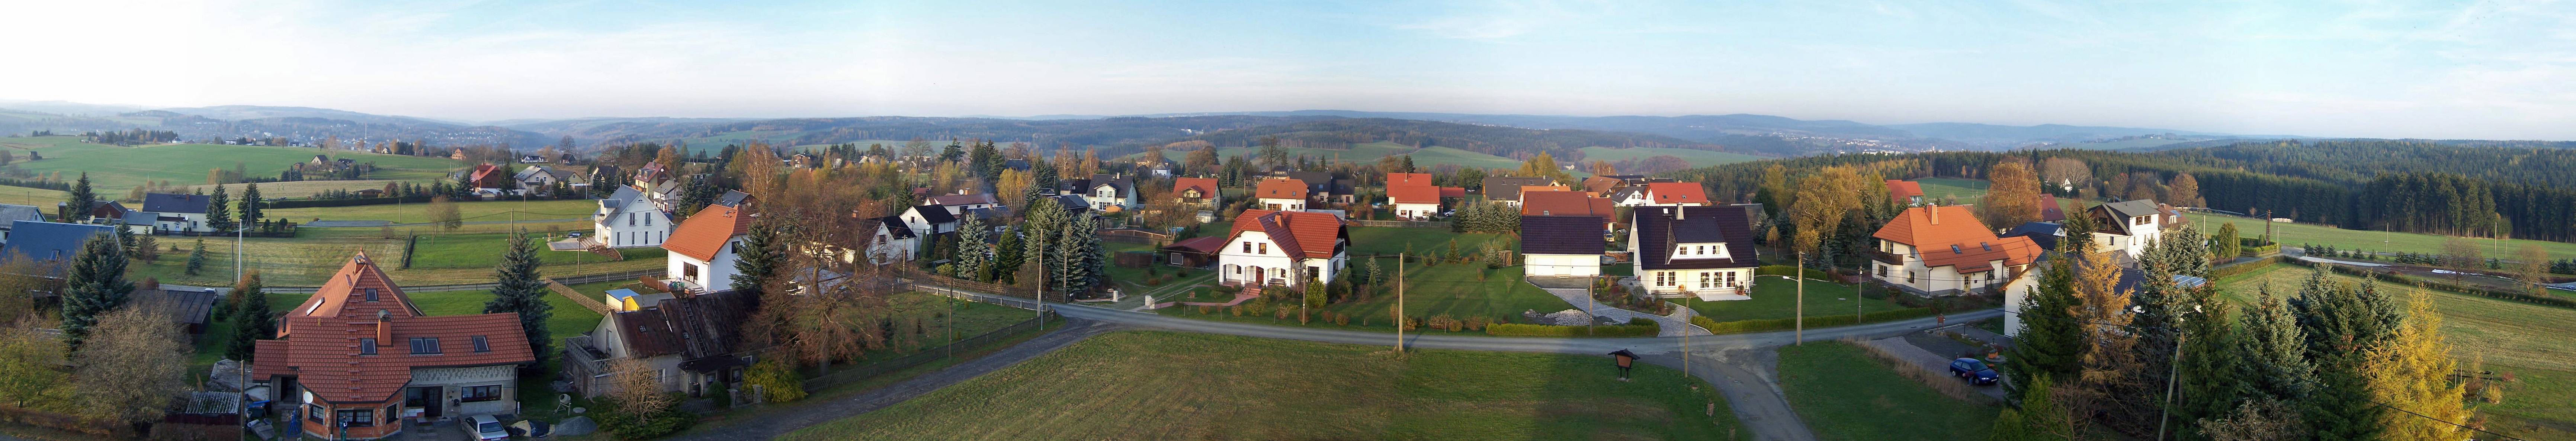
[630, 219]
[1694, 251]
[1283, 248]
[1279, 194]
[1945, 250]
[702, 248]
[1112, 191]
[2127, 227]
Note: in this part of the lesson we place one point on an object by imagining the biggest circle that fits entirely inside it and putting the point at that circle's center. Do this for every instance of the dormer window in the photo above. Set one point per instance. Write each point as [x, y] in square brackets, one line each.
[1954, 249]
[1700, 251]
[1987, 246]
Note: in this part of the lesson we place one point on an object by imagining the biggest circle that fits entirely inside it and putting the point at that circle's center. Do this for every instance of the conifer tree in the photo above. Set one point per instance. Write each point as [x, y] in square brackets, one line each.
[2412, 372]
[2211, 372]
[522, 291]
[2273, 350]
[252, 320]
[2227, 245]
[2051, 341]
[218, 212]
[974, 256]
[249, 209]
[197, 258]
[758, 258]
[94, 284]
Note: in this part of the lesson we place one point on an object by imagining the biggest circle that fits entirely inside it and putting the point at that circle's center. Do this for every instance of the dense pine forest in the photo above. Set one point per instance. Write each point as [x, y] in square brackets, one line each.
[2520, 191]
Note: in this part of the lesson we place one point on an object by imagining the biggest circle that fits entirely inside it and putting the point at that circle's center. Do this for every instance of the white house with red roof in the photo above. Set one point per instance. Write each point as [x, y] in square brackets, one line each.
[1283, 248]
[1945, 250]
[1278, 194]
[1412, 195]
[702, 248]
[359, 352]
[1201, 192]
[1674, 194]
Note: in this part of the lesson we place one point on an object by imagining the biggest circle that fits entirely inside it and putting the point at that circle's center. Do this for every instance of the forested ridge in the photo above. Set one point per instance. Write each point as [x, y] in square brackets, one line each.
[1513, 142]
[2410, 186]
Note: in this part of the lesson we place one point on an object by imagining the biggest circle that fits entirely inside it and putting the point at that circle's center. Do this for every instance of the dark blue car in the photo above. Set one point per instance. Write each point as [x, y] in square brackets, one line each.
[1973, 370]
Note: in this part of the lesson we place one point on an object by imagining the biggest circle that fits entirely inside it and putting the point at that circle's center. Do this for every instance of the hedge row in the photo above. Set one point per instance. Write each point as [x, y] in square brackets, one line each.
[1813, 321]
[2475, 290]
[1634, 328]
[1786, 270]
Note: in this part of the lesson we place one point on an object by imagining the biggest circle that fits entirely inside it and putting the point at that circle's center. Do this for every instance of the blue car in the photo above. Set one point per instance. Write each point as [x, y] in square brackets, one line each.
[1973, 370]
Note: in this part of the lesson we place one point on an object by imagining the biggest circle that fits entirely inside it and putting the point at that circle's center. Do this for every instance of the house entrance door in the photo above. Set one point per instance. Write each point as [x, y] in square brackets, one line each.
[426, 399]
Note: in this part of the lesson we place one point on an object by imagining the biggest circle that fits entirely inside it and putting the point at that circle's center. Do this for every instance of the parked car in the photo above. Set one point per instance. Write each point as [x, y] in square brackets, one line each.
[1972, 370]
[487, 428]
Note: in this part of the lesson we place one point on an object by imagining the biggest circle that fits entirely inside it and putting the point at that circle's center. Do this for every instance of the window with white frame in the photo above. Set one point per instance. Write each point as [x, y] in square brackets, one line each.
[1664, 278]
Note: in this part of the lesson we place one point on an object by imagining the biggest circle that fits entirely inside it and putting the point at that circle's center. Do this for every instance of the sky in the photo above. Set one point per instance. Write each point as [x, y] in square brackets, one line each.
[2389, 69]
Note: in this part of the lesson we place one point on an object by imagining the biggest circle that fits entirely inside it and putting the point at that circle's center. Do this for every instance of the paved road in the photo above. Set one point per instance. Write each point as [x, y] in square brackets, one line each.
[779, 420]
[1739, 371]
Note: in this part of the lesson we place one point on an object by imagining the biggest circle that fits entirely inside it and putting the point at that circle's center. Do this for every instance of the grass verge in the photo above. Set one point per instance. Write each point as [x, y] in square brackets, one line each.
[1844, 394]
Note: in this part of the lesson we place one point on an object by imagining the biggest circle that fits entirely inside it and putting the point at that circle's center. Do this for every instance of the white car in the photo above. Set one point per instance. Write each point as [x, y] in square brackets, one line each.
[487, 428]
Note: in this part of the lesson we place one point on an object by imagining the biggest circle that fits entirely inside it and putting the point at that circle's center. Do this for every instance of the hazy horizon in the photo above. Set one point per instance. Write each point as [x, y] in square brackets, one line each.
[2494, 70]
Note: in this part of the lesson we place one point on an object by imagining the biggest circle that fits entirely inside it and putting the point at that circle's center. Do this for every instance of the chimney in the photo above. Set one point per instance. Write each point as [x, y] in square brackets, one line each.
[1935, 211]
[1680, 214]
[384, 327]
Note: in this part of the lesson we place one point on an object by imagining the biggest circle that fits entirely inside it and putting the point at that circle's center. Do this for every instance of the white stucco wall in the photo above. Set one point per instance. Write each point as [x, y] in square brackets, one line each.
[1573, 265]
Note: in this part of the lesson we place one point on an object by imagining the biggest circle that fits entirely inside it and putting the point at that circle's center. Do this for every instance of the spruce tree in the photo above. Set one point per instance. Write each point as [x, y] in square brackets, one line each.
[2211, 380]
[252, 320]
[522, 291]
[2273, 350]
[758, 259]
[974, 256]
[1007, 257]
[219, 215]
[2051, 342]
[76, 205]
[197, 258]
[94, 284]
[249, 208]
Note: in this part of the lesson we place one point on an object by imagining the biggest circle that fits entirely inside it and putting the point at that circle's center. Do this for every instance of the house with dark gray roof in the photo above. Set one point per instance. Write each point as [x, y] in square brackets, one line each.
[10, 214]
[48, 241]
[2126, 227]
[1322, 187]
[1561, 246]
[1508, 188]
[178, 212]
[1693, 251]
[1108, 190]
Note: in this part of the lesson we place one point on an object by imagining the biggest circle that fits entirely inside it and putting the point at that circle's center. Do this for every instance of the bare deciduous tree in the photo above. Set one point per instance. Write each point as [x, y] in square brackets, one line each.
[125, 369]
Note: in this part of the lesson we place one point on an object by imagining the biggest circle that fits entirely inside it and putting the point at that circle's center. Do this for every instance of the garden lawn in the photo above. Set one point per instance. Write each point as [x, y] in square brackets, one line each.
[484, 251]
[1777, 298]
[1228, 387]
[1697, 157]
[471, 211]
[567, 319]
[2527, 340]
[113, 169]
[2297, 234]
[311, 257]
[1843, 394]
[1134, 280]
[1447, 289]
[1966, 191]
[1388, 241]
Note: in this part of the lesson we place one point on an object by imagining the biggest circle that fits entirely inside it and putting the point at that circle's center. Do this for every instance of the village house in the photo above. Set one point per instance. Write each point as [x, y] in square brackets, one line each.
[2127, 228]
[1280, 194]
[702, 248]
[1672, 194]
[1321, 187]
[1108, 190]
[895, 241]
[538, 178]
[1507, 189]
[1944, 250]
[1197, 192]
[1693, 251]
[178, 213]
[660, 185]
[1905, 193]
[1283, 248]
[359, 353]
[689, 339]
[1570, 203]
[1412, 196]
[48, 242]
[629, 219]
[1561, 246]
[532, 159]
[11, 214]
[491, 180]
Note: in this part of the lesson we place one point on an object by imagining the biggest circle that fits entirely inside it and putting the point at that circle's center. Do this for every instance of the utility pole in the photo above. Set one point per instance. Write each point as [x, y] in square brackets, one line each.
[1588, 307]
[1040, 295]
[2173, 373]
[1400, 258]
[1799, 337]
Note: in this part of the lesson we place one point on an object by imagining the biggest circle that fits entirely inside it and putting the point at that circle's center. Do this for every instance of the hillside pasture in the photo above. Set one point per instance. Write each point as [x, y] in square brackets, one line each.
[1965, 191]
[301, 189]
[1697, 157]
[1161, 385]
[472, 211]
[2295, 234]
[311, 257]
[114, 169]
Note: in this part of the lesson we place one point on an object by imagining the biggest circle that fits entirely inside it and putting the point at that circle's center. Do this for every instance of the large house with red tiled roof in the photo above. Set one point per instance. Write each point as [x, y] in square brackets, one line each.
[1200, 192]
[359, 352]
[1278, 194]
[702, 248]
[1569, 203]
[1283, 248]
[1675, 194]
[1941, 250]
[1905, 193]
[1413, 196]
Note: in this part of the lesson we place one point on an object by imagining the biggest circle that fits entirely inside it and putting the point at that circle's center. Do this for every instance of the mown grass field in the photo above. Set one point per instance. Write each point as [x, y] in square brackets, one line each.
[2527, 340]
[38, 197]
[471, 211]
[316, 252]
[1156, 385]
[2296, 234]
[1777, 298]
[1457, 289]
[1843, 394]
[1697, 158]
[114, 169]
[483, 251]
[1965, 191]
[300, 189]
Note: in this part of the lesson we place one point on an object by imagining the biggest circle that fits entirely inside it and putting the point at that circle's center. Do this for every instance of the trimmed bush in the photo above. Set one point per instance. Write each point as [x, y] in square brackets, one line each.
[1648, 329]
